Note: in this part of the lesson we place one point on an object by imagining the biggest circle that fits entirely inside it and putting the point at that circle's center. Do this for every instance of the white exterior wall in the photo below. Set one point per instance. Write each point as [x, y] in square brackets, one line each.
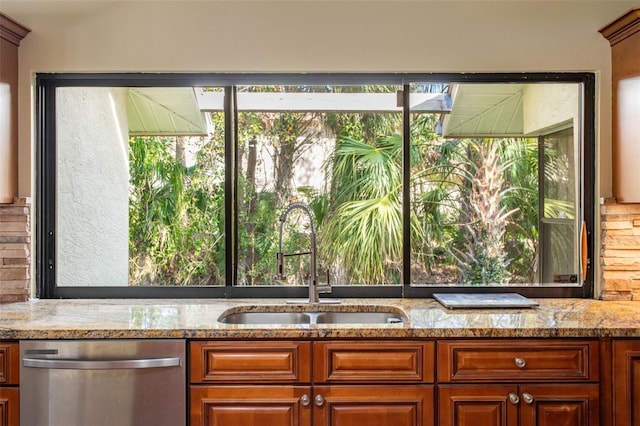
[93, 187]
[546, 106]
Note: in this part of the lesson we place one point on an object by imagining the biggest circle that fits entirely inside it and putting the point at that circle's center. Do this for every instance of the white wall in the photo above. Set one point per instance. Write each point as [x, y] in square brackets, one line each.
[314, 36]
[92, 187]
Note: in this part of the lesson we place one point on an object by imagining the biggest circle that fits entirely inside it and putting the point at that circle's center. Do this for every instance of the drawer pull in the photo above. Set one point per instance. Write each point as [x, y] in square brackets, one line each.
[319, 400]
[527, 397]
[513, 398]
[305, 400]
[520, 362]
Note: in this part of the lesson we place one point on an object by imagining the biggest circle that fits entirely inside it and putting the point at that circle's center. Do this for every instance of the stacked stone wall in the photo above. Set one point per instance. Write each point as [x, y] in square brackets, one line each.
[15, 252]
[620, 255]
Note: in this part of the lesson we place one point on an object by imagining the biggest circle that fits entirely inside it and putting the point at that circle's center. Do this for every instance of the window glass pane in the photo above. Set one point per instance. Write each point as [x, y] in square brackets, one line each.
[140, 187]
[559, 227]
[337, 149]
[476, 194]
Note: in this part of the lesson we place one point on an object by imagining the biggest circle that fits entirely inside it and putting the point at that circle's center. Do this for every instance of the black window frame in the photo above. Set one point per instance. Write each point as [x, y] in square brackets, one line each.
[47, 83]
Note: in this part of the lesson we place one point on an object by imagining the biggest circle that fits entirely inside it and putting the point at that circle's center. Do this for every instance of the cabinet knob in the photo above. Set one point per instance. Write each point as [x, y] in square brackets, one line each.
[520, 362]
[513, 398]
[305, 400]
[527, 397]
[319, 400]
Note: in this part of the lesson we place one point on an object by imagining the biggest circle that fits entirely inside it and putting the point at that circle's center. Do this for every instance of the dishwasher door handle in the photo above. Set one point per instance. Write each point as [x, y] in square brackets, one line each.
[116, 364]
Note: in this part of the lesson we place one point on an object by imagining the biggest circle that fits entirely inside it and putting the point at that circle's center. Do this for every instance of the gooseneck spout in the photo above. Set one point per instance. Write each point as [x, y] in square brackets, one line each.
[314, 288]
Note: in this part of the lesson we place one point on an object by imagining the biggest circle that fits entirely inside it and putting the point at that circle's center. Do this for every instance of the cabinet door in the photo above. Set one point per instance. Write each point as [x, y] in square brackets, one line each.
[559, 405]
[9, 407]
[473, 405]
[250, 406]
[626, 383]
[9, 364]
[410, 405]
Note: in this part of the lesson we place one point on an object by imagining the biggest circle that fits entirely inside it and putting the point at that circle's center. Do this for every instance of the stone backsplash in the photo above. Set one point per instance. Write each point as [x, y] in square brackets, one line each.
[620, 253]
[15, 246]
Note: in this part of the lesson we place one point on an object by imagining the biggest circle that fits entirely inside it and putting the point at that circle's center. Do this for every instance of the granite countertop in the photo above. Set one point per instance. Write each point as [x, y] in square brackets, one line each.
[189, 318]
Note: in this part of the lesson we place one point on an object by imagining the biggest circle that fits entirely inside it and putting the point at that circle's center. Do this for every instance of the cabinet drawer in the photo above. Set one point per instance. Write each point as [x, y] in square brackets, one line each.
[254, 362]
[9, 364]
[376, 362]
[517, 360]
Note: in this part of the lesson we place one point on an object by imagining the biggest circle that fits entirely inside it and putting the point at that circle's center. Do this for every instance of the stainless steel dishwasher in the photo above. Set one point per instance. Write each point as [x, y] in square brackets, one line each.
[102, 382]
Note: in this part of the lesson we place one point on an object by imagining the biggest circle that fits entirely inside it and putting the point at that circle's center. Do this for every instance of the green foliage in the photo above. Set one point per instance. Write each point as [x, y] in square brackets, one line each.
[474, 203]
[176, 226]
[364, 232]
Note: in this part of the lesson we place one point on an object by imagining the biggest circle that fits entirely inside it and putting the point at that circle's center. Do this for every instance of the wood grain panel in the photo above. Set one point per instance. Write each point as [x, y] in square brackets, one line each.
[398, 405]
[9, 407]
[473, 405]
[560, 405]
[249, 406]
[250, 361]
[376, 362]
[494, 361]
[626, 383]
[9, 364]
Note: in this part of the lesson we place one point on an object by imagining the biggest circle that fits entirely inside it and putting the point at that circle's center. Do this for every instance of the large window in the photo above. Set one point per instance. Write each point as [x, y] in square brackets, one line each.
[175, 185]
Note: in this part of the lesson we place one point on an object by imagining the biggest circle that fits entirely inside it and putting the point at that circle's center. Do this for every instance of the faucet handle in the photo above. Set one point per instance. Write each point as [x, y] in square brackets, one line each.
[280, 268]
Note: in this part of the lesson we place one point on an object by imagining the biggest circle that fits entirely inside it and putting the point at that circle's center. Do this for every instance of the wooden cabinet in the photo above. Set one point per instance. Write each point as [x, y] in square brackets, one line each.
[9, 392]
[373, 383]
[373, 405]
[626, 383]
[250, 405]
[337, 383]
[11, 33]
[259, 383]
[624, 36]
[524, 405]
[518, 382]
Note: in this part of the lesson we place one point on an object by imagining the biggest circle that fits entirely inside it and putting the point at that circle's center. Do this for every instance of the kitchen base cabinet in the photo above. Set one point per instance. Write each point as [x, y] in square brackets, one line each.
[326, 383]
[9, 392]
[250, 406]
[9, 407]
[526, 382]
[487, 405]
[525, 405]
[626, 383]
[555, 405]
[373, 406]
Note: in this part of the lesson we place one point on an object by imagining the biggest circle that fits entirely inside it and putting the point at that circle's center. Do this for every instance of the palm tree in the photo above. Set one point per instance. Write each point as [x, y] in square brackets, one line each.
[364, 232]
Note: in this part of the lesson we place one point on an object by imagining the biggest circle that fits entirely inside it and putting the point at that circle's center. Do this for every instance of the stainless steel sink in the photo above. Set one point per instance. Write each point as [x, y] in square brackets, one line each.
[286, 315]
[359, 318]
[265, 318]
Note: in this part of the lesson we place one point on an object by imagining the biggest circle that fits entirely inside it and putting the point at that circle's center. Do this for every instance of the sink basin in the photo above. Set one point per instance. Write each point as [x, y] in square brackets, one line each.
[359, 318]
[295, 315]
[265, 318]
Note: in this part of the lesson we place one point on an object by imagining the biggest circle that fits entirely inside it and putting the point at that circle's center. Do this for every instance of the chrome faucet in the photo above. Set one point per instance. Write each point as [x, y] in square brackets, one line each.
[314, 288]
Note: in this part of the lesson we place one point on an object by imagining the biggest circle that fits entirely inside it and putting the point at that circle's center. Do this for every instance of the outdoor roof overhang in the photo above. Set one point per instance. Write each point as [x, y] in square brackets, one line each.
[325, 102]
[165, 111]
[472, 110]
[485, 110]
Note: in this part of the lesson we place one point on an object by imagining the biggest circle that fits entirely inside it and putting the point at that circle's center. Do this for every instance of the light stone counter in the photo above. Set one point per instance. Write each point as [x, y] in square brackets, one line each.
[188, 318]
